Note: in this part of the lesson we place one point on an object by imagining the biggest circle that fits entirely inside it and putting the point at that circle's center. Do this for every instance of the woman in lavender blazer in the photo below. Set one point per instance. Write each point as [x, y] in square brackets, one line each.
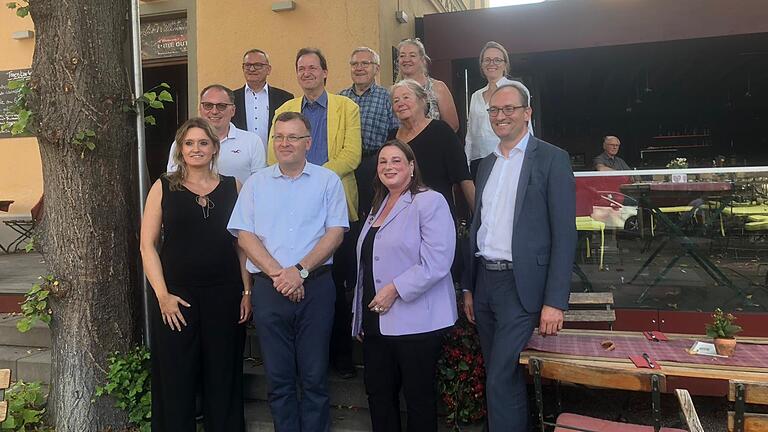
[404, 297]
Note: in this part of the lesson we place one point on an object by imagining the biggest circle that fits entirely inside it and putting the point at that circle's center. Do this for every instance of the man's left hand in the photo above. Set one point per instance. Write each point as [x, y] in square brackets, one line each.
[551, 321]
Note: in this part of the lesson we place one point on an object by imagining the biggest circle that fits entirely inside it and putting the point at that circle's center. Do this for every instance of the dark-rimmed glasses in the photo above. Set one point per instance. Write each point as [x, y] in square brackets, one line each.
[219, 106]
[507, 110]
[293, 139]
[495, 61]
[255, 66]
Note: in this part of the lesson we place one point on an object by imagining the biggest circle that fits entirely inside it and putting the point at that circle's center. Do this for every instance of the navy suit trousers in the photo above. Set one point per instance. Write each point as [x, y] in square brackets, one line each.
[504, 328]
[294, 340]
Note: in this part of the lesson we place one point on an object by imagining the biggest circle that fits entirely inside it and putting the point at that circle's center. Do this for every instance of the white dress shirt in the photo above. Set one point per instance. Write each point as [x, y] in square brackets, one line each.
[257, 112]
[494, 237]
[481, 140]
[242, 154]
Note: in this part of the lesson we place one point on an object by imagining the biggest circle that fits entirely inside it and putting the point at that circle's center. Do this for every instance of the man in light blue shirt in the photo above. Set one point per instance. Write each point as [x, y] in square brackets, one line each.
[289, 219]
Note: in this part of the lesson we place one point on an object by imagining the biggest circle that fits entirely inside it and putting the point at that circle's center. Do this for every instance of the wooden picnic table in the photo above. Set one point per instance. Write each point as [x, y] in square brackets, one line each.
[668, 368]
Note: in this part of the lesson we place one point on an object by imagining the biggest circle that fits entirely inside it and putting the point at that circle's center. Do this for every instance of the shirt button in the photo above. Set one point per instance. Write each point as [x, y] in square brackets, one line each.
[378, 280]
[376, 259]
[290, 229]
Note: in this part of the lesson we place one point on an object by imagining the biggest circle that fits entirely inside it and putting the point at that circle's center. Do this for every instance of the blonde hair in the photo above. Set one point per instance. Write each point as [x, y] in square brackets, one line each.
[504, 53]
[176, 178]
[422, 52]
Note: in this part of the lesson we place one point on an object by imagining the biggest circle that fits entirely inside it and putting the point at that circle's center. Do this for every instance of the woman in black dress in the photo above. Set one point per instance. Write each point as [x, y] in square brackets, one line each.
[201, 287]
[438, 151]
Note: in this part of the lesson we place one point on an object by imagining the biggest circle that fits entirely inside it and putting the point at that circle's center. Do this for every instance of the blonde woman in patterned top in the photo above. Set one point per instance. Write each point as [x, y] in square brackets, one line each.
[412, 64]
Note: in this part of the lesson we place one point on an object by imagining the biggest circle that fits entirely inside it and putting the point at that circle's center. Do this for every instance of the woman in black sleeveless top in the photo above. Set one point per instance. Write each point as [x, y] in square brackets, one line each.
[201, 287]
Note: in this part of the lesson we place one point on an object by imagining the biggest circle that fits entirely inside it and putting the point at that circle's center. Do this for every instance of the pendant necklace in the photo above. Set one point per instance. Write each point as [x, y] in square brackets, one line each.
[206, 204]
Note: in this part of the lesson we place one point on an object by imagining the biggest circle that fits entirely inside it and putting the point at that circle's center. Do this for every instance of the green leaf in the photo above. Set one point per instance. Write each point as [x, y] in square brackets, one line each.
[164, 85]
[165, 96]
[79, 135]
[22, 11]
[150, 120]
[90, 133]
[156, 104]
[23, 325]
[9, 423]
[90, 145]
[150, 96]
[16, 84]
[11, 5]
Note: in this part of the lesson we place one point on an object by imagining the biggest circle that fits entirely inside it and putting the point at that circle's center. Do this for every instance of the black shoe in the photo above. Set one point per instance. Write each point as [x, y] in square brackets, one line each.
[347, 373]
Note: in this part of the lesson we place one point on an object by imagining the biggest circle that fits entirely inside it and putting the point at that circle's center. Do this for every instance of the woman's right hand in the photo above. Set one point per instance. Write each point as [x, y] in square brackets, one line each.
[169, 309]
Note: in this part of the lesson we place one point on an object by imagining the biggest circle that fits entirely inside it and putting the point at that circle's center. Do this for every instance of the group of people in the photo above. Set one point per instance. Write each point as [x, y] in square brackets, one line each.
[275, 207]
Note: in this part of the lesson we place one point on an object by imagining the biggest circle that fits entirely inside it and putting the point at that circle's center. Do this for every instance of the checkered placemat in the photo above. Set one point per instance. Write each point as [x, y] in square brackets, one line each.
[748, 355]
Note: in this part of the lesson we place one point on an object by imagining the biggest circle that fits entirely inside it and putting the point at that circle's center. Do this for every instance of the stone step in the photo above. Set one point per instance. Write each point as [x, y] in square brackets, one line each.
[38, 336]
[344, 392]
[26, 363]
[259, 419]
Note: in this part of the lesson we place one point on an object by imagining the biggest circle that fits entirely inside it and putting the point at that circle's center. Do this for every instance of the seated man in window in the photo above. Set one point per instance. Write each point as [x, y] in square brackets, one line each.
[607, 160]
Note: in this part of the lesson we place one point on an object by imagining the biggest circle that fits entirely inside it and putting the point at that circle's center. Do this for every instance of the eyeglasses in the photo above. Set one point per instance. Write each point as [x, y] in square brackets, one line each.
[255, 66]
[360, 64]
[219, 106]
[507, 110]
[293, 139]
[495, 61]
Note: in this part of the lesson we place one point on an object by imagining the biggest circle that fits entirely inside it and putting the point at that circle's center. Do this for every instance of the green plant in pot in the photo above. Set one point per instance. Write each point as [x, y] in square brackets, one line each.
[723, 331]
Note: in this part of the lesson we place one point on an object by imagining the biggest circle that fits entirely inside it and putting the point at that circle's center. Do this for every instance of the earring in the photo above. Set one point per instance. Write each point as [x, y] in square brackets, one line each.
[411, 174]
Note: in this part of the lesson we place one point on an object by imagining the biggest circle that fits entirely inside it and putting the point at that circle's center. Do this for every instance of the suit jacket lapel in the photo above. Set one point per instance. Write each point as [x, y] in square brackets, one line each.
[402, 202]
[484, 171]
[525, 176]
[272, 100]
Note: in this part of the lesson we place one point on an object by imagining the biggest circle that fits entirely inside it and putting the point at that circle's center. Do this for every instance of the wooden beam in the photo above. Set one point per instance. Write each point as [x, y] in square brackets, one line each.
[575, 315]
[752, 422]
[597, 376]
[593, 298]
[754, 392]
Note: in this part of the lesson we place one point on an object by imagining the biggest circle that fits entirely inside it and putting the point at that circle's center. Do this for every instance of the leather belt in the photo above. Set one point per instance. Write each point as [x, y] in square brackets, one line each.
[314, 274]
[496, 265]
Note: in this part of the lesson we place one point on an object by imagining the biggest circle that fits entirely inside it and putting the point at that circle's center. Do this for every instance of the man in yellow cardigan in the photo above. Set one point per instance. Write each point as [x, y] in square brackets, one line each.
[336, 145]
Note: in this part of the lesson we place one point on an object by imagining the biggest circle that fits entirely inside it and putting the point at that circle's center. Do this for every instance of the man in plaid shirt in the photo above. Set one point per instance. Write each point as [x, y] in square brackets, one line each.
[376, 118]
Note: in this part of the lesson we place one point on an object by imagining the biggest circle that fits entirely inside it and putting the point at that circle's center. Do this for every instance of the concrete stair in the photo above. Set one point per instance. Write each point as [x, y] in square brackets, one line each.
[27, 355]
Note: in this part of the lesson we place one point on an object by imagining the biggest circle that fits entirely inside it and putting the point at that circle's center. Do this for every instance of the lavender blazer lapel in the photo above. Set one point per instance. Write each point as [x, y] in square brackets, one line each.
[402, 202]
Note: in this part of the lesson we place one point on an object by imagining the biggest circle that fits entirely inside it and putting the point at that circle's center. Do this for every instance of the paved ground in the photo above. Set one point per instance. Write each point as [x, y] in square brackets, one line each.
[18, 271]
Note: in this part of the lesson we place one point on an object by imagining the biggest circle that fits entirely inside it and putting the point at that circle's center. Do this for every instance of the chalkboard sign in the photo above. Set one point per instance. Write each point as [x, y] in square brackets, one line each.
[163, 39]
[8, 96]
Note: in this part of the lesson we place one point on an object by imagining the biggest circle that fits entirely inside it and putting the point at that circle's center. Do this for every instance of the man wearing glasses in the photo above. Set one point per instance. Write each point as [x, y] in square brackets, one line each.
[242, 152]
[336, 145]
[257, 101]
[522, 240]
[289, 218]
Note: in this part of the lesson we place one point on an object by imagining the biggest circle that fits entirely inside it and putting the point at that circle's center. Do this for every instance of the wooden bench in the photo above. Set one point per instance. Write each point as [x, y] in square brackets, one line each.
[742, 393]
[591, 307]
[5, 382]
[642, 380]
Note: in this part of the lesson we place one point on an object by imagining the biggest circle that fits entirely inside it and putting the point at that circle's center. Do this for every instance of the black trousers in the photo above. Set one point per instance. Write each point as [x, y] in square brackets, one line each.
[344, 273]
[408, 362]
[207, 353]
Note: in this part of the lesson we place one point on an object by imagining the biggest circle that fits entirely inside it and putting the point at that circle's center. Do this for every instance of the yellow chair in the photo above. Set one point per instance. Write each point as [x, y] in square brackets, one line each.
[586, 223]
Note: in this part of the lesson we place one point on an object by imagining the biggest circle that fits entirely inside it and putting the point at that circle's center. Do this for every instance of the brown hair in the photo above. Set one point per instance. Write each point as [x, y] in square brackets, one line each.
[176, 178]
[287, 116]
[415, 186]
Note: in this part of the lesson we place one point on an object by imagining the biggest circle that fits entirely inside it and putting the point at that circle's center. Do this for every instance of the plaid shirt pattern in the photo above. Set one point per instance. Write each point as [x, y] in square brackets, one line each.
[376, 116]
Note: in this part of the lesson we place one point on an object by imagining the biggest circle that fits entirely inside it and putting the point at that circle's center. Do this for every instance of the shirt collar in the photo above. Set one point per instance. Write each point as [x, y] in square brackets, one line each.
[522, 145]
[264, 89]
[308, 168]
[370, 89]
[322, 100]
[232, 134]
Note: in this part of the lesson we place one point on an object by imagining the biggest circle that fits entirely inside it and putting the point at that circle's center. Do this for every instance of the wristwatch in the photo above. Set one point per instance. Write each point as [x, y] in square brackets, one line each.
[304, 273]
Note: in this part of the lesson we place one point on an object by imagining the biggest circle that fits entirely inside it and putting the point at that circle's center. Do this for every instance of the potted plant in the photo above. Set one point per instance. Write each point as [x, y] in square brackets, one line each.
[678, 163]
[723, 330]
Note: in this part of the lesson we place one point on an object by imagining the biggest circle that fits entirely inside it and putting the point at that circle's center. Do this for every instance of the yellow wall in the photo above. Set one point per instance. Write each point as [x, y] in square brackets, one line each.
[21, 177]
[228, 28]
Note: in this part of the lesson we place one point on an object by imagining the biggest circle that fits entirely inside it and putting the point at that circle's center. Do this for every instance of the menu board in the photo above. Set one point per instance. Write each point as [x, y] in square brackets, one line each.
[8, 96]
[164, 39]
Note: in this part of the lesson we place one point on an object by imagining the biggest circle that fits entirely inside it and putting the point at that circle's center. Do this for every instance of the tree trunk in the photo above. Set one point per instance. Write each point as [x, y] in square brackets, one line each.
[80, 82]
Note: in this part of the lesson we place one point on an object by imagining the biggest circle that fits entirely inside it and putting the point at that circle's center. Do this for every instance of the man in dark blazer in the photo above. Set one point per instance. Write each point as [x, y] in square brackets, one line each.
[256, 102]
[523, 241]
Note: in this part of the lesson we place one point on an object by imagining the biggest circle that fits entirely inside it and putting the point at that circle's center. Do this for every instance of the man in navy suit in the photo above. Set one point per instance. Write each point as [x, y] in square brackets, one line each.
[256, 101]
[523, 239]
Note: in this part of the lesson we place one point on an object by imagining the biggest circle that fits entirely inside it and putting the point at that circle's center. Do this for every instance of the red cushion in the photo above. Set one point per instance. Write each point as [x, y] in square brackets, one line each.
[599, 425]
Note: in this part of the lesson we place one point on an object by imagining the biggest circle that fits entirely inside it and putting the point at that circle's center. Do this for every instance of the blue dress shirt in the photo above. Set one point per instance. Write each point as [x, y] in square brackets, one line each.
[317, 114]
[289, 215]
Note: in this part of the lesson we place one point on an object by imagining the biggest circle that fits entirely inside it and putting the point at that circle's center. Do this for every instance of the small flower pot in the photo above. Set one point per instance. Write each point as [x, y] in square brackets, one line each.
[725, 347]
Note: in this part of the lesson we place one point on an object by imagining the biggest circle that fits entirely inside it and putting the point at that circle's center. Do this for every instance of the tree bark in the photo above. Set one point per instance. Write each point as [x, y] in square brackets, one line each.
[80, 81]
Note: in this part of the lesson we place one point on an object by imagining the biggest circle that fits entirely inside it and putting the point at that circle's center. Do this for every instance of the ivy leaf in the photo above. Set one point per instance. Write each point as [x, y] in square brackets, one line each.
[23, 325]
[165, 96]
[11, 5]
[22, 11]
[150, 120]
[164, 85]
[90, 145]
[150, 96]
[156, 104]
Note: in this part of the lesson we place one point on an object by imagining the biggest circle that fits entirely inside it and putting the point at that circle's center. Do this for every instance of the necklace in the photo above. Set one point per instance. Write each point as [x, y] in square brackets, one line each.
[206, 204]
